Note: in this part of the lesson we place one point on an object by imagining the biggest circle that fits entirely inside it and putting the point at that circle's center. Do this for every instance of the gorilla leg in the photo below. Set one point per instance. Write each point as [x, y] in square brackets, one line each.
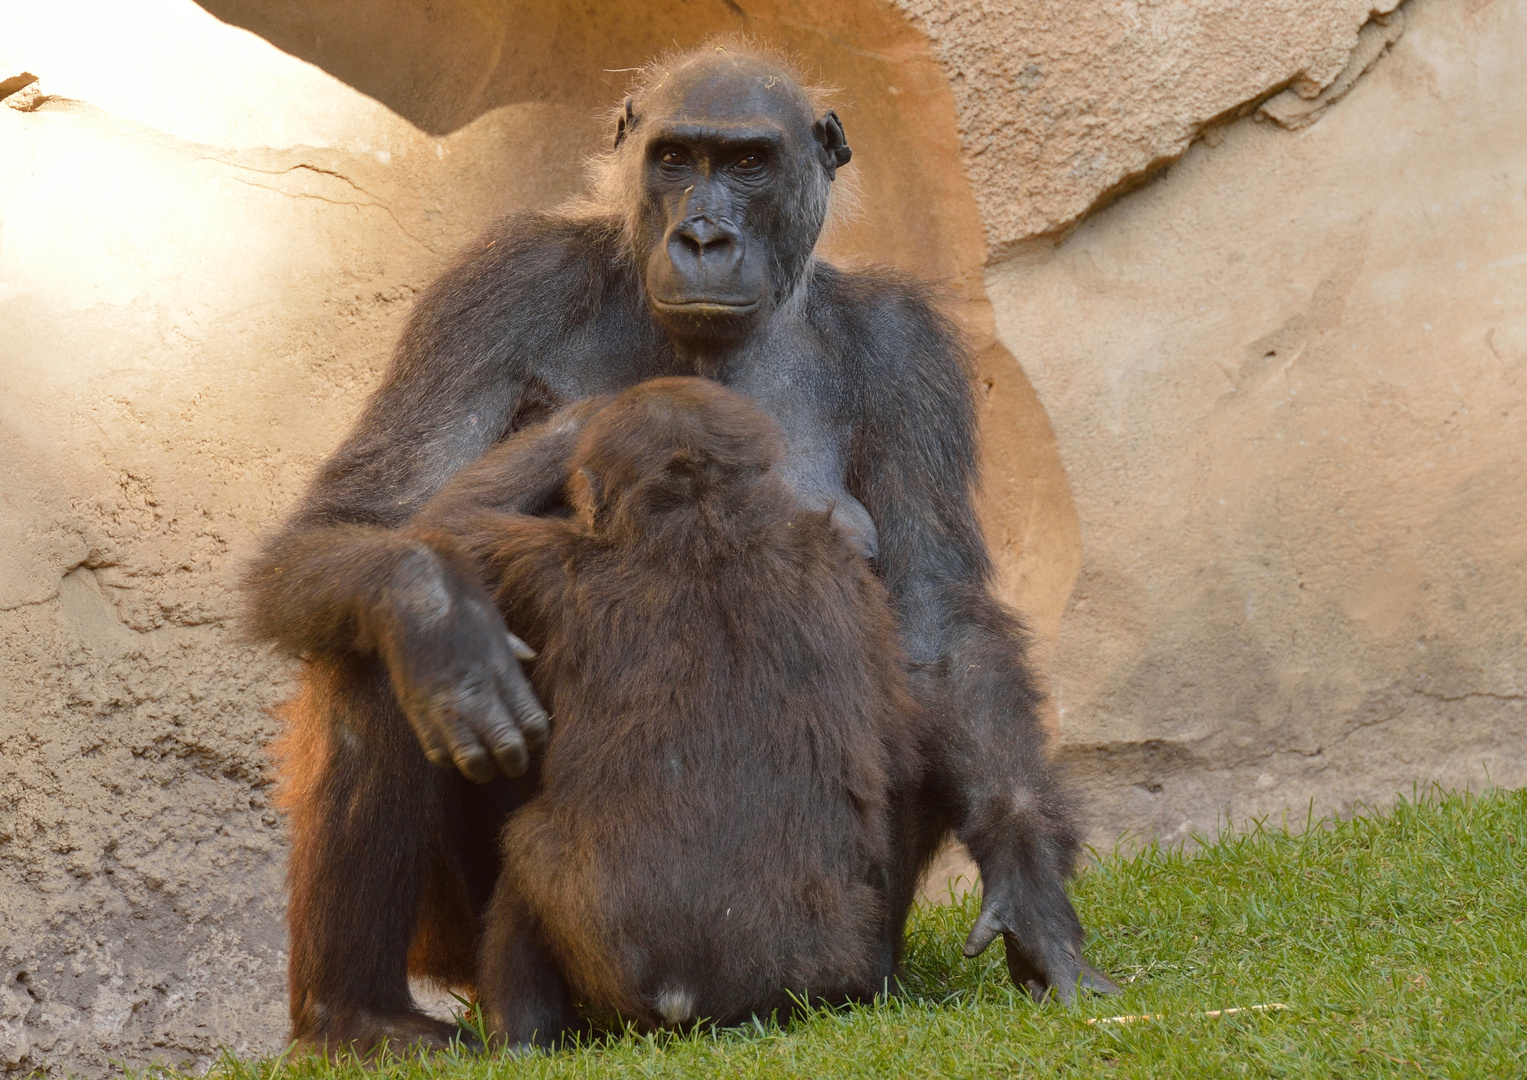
[367, 811]
[920, 825]
[524, 996]
[458, 883]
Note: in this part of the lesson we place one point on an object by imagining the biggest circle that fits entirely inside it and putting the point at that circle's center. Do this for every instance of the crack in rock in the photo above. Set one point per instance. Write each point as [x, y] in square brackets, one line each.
[1466, 696]
[375, 202]
[1293, 110]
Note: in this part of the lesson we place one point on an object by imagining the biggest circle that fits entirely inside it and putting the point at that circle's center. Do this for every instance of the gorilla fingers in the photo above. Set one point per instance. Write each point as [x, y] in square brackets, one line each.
[454, 668]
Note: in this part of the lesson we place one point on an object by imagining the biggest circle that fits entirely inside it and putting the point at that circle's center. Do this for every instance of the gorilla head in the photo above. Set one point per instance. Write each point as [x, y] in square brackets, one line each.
[724, 170]
[670, 445]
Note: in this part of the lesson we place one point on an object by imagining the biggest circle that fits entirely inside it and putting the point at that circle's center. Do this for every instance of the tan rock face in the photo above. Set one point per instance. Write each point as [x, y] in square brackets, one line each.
[1062, 105]
[1289, 381]
[211, 233]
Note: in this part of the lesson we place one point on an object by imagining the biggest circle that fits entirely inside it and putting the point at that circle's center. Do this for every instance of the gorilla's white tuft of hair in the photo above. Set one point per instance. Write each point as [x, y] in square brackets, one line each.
[675, 1006]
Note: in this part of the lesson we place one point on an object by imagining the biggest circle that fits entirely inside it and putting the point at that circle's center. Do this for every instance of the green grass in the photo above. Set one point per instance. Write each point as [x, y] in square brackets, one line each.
[1397, 941]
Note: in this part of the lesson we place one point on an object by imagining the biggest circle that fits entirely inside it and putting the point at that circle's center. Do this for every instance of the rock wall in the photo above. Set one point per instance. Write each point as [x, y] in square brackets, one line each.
[202, 274]
[1064, 106]
[1289, 381]
[213, 220]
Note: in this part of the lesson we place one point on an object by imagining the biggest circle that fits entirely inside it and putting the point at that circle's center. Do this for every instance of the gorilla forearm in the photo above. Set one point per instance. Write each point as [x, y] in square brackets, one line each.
[312, 589]
[524, 474]
[989, 748]
[995, 758]
[987, 756]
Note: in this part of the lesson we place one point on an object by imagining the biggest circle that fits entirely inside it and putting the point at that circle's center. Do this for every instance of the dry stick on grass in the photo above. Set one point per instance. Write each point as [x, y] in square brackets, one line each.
[1271, 1006]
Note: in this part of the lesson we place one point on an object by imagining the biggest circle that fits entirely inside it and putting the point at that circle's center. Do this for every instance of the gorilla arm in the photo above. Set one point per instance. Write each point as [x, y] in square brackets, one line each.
[487, 512]
[341, 578]
[523, 475]
[986, 753]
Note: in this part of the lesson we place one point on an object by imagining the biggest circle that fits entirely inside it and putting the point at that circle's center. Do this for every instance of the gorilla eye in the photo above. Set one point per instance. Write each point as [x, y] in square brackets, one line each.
[673, 157]
[749, 162]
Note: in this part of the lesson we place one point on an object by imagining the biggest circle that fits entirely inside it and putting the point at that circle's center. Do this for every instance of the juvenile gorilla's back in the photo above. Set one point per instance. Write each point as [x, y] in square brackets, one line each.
[713, 827]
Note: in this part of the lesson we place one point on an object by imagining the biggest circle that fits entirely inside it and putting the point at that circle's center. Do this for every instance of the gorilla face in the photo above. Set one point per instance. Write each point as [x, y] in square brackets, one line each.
[734, 188]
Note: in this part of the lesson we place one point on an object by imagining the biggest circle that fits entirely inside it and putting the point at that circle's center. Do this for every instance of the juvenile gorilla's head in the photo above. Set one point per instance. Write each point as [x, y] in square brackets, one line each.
[723, 168]
[668, 445]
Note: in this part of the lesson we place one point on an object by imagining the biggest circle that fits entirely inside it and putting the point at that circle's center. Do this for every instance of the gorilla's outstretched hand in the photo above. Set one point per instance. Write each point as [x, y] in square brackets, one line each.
[455, 669]
[1042, 935]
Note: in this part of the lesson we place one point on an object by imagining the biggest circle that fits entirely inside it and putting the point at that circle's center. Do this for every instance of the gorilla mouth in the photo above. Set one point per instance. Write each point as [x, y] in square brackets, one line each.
[704, 306]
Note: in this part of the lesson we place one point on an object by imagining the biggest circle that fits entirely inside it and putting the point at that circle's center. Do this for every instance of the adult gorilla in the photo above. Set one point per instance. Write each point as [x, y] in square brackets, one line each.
[695, 256]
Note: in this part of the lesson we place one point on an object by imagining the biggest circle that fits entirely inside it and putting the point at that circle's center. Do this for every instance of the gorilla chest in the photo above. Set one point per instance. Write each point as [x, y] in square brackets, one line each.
[796, 381]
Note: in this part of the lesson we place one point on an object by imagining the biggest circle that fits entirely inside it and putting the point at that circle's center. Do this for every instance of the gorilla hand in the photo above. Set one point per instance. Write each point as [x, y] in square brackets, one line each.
[454, 669]
[1042, 935]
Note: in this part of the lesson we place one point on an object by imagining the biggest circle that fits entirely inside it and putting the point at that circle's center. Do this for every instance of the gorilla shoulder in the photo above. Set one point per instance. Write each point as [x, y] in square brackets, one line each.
[530, 260]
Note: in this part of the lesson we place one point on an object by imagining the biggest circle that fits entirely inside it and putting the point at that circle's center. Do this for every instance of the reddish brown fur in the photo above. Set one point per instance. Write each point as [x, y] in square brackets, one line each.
[730, 702]
[342, 725]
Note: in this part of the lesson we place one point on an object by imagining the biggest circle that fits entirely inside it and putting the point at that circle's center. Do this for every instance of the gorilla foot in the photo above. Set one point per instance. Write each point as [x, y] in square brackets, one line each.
[367, 1035]
[1095, 982]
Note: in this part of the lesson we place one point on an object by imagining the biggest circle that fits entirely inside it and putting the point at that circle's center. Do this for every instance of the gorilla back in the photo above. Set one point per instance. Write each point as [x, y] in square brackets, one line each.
[713, 833]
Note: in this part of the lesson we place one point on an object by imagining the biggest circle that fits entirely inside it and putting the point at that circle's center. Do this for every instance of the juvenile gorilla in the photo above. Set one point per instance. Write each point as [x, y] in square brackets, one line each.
[713, 831]
[694, 256]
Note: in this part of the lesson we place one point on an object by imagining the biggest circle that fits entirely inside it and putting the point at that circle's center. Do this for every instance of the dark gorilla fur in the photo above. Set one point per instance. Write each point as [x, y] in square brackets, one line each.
[411, 736]
[713, 828]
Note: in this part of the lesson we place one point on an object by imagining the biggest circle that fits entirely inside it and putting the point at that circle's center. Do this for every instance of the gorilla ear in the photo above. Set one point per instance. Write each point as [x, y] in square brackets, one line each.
[835, 151]
[626, 123]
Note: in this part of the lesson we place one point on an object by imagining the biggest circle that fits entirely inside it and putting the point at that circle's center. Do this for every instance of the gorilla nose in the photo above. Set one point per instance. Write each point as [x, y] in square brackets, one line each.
[699, 238]
[705, 262]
